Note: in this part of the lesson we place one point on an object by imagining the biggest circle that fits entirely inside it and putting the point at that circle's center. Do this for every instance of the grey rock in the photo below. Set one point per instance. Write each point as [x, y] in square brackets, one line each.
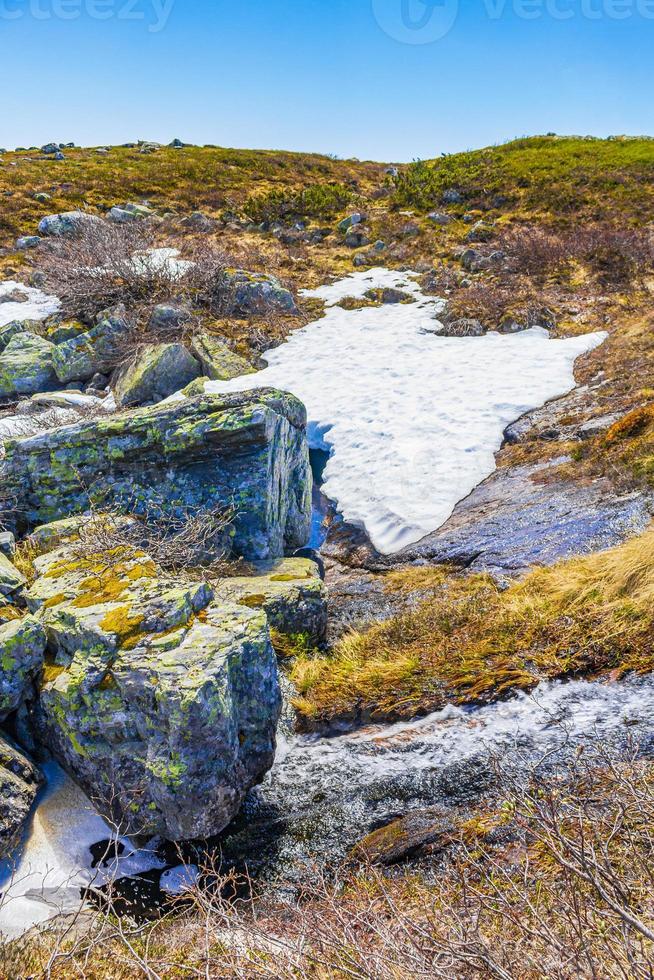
[356, 237]
[198, 222]
[258, 293]
[219, 362]
[50, 148]
[597, 426]
[440, 218]
[168, 317]
[7, 544]
[157, 371]
[9, 330]
[247, 450]
[350, 221]
[451, 196]
[22, 649]
[19, 783]
[66, 223]
[480, 232]
[27, 241]
[95, 351]
[166, 709]
[11, 580]
[27, 366]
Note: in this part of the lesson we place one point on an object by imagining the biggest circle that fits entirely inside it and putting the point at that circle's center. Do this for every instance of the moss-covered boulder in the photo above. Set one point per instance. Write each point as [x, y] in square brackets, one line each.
[218, 361]
[19, 783]
[245, 451]
[22, 648]
[66, 223]
[96, 351]
[159, 701]
[291, 593]
[157, 371]
[421, 830]
[26, 366]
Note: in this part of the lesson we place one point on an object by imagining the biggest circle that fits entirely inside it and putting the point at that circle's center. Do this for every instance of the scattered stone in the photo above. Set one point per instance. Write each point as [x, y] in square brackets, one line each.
[510, 325]
[50, 148]
[597, 426]
[22, 649]
[218, 361]
[156, 372]
[128, 213]
[440, 218]
[42, 197]
[19, 783]
[96, 350]
[470, 259]
[198, 222]
[27, 241]
[405, 837]
[67, 223]
[11, 580]
[166, 706]
[246, 449]
[451, 196]
[14, 296]
[480, 232]
[26, 365]
[389, 295]
[356, 237]
[379, 246]
[258, 293]
[291, 593]
[350, 222]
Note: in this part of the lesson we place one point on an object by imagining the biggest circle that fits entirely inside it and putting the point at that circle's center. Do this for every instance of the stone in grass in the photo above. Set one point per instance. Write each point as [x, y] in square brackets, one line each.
[156, 372]
[26, 366]
[405, 837]
[169, 317]
[246, 450]
[19, 783]
[463, 327]
[218, 361]
[166, 706]
[256, 293]
[22, 649]
[27, 241]
[290, 591]
[67, 223]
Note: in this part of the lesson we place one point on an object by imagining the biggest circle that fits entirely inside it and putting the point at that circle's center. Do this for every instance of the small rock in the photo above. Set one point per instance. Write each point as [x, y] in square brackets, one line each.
[403, 838]
[42, 197]
[356, 237]
[218, 361]
[480, 232]
[440, 218]
[464, 327]
[379, 246]
[7, 544]
[66, 223]
[198, 222]
[27, 241]
[96, 350]
[50, 148]
[15, 296]
[167, 317]
[350, 222]
[451, 196]
[258, 293]
[11, 580]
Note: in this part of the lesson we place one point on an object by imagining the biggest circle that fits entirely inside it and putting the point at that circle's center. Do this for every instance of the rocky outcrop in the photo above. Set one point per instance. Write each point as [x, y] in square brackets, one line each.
[19, 784]
[22, 649]
[160, 701]
[289, 591]
[245, 451]
[26, 365]
[156, 372]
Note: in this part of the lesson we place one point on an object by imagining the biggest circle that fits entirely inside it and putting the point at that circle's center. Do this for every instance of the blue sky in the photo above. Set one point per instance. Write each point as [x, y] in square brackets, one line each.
[336, 76]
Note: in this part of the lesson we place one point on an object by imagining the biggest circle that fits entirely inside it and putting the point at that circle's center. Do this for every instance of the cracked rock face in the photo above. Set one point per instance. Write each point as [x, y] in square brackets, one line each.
[161, 702]
[245, 452]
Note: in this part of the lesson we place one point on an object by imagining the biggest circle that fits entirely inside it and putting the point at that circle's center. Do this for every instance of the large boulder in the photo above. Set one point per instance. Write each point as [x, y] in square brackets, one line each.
[163, 703]
[19, 783]
[95, 351]
[157, 371]
[219, 362]
[22, 648]
[291, 593]
[246, 451]
[67, 223]
[26, 366]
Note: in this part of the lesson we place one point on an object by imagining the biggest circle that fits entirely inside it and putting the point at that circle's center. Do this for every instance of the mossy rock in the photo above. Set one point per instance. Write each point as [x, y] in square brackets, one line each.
[22, 649]
[157, 371]
[218, 361]
[26, 366]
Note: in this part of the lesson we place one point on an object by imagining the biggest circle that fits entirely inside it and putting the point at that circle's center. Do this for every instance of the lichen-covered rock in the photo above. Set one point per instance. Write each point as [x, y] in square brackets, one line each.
[218, 361]
[19, 784]
[257, 292]
[67, 223]
[9, 330]
[246, 450]
[162, 704]
[401, 839]
[11, 580]
[26, 366]
[290, 591]
[156, 372]
[22, 647]
[92, 352]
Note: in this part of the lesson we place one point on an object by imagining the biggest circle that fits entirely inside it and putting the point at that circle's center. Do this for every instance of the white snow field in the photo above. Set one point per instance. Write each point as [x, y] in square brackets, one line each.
[412, 420]
[37, 306]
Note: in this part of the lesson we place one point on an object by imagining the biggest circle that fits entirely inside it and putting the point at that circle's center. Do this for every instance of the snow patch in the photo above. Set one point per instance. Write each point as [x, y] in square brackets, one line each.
[412, 420]
[38, 305]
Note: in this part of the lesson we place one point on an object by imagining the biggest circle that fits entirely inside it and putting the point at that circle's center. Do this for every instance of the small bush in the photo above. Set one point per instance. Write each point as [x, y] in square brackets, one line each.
[321, 201]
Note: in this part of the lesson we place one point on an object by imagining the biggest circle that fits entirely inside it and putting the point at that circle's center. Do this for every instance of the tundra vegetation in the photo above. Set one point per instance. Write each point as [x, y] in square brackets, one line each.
[552, 876]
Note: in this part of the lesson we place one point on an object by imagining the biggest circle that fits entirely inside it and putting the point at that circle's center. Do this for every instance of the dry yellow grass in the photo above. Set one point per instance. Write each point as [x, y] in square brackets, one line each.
[468, 640]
